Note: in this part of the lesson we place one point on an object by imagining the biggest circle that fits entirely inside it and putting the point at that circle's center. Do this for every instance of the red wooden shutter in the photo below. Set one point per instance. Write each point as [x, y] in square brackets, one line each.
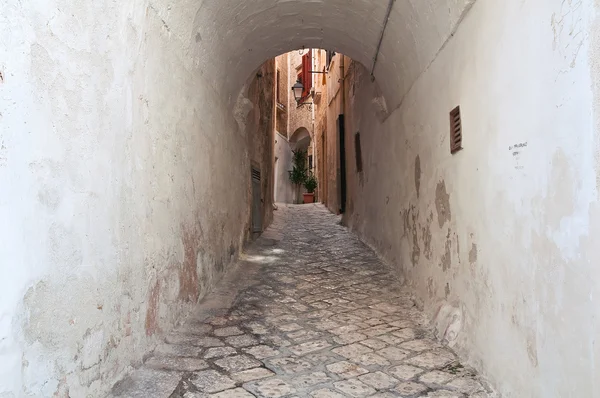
[304, 79]
[309, 79]
[307, 76]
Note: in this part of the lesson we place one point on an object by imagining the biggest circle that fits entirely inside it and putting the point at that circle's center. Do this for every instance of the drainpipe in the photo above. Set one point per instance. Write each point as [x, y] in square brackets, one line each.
[385, 22]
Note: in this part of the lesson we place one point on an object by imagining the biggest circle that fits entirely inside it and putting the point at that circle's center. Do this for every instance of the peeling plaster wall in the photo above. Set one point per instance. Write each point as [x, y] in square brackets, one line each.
[500, 241]
[125, 187]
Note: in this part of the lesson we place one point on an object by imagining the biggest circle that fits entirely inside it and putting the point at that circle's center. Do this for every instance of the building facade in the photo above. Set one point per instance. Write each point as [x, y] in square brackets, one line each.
[316, 123]
[295, 121]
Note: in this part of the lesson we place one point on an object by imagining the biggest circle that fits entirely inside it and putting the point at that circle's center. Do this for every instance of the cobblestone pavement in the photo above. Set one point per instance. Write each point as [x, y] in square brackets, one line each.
[317, 316]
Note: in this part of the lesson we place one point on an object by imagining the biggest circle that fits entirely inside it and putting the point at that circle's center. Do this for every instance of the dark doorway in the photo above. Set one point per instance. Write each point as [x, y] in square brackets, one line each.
[342, 154]
[256, 201]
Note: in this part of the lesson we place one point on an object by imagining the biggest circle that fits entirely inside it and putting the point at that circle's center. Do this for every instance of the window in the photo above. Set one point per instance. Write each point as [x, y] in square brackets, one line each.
[310, 162]
[455, 131]
[358, 153]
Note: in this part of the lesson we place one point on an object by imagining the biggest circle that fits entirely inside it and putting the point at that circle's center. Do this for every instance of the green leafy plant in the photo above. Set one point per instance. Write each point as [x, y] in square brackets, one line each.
[298, 174]
[310, 183]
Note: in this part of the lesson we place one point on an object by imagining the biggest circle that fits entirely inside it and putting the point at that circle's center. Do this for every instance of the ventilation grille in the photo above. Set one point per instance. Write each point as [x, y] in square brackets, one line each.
[255, 174]
[455, 131]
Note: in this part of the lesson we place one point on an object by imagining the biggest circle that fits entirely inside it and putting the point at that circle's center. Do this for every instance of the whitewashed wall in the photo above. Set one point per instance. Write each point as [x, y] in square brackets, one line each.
[503, 236]
[124, 183]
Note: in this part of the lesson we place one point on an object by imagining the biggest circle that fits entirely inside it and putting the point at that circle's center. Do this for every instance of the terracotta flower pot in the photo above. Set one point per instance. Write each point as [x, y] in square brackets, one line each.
[309, 197]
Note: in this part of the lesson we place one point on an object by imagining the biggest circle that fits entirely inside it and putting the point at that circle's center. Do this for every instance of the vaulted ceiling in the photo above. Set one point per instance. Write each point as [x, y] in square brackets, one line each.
[234, 37]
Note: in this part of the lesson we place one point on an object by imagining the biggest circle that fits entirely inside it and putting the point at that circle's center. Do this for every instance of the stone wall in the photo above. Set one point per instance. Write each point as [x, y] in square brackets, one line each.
[299, 117]
[336, 104]
[320, 131]
[283, 93]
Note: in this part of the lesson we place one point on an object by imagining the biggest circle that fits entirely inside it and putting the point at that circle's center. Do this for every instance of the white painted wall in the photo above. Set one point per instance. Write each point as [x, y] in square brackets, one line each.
[124, 187]
[240, 35]
[284, 192]
[506, 231]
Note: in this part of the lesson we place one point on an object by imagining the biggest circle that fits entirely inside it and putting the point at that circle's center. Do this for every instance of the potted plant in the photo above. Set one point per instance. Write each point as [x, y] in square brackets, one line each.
[298, 173]
[310, 184]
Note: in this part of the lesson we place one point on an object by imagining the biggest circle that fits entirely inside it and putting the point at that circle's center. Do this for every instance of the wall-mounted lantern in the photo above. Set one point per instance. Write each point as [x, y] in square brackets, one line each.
[298, 89]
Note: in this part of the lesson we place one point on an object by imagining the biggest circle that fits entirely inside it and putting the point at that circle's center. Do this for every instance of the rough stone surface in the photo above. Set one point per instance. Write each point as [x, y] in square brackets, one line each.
[314, 261]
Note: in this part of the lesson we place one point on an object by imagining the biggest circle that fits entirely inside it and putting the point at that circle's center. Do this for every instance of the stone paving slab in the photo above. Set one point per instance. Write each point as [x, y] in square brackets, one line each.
[311, 313]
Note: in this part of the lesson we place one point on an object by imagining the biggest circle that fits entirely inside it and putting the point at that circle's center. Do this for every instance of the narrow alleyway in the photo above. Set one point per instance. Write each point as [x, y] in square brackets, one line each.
[309, 312]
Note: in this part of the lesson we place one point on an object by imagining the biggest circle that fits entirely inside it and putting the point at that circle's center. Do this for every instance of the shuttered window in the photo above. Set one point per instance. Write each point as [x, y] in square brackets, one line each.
[306, 75]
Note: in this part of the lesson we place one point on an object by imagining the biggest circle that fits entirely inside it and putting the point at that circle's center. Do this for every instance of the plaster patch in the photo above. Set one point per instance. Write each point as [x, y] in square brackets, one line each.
[91, 351]
[416, 252]
[243, 106]
[430, 287]
[426, 232]
[532, 349]
[189, 288]
[473, 253]
[152, 326]
[417, 174]
[447, 321]
[442, 203]
[446, 261]
[411, 226]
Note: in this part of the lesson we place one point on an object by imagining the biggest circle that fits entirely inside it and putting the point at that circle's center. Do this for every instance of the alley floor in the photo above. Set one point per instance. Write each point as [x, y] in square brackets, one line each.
[310, 311]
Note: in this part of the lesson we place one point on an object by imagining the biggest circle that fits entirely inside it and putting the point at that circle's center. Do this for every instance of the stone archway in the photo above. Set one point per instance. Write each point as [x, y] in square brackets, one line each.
[301, 139]
[132, 115]
[127, 157]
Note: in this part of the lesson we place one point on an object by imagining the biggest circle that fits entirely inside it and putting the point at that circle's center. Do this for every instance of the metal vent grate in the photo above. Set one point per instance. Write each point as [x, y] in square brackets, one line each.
[255, 174]
[455, 131]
